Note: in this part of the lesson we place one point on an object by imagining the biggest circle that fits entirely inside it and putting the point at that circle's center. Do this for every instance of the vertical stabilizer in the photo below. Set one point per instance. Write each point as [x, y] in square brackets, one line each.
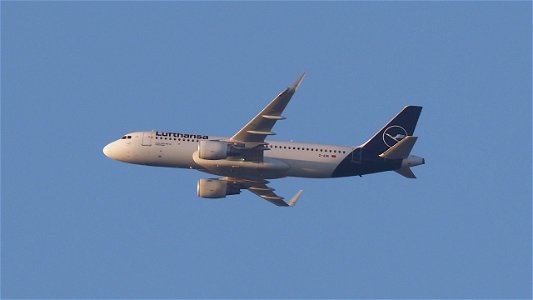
[401, 126]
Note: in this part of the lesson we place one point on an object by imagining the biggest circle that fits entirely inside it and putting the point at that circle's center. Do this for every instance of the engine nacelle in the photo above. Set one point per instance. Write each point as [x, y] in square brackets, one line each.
[214, 188]
[213, 150]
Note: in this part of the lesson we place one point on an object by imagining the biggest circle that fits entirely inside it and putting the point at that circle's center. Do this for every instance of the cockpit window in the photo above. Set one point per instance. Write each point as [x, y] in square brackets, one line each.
[126, 137]
[123, 138]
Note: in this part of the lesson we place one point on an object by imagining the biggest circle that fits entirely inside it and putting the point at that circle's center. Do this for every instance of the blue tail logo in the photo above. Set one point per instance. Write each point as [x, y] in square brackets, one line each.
[393, 134]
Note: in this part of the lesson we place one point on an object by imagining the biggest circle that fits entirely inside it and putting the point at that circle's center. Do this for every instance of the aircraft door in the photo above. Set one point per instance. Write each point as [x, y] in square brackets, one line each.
[147, 138]
[357, 155]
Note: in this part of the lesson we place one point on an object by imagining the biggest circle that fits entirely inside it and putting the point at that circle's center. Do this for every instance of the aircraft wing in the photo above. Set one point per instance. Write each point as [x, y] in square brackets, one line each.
[261, 125]
[268, 194]
[260, 188]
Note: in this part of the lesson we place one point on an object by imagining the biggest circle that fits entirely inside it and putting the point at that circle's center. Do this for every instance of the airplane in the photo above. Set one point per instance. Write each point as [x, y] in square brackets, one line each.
[247, 160]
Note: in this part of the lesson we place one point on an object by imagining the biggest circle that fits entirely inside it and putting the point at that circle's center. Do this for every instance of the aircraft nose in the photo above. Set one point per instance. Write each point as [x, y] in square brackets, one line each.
[108, 151]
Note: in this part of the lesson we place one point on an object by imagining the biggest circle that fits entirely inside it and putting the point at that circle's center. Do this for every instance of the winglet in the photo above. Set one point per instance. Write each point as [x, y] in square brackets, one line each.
[293, 200]
[294, 86]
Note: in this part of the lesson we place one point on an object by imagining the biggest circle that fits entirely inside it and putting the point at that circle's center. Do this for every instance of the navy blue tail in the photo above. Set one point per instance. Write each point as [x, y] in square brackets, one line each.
[365, 159]
[402, 125]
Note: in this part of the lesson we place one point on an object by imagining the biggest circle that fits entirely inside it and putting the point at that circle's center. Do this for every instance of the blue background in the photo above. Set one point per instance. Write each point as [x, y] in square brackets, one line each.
[76, 76]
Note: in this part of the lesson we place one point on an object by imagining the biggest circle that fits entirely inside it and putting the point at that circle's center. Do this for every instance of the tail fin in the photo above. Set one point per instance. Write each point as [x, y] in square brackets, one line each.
[401, 126]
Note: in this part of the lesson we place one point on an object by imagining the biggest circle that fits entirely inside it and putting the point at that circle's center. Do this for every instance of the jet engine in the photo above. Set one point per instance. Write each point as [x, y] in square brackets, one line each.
[214, 188]
[215, 150]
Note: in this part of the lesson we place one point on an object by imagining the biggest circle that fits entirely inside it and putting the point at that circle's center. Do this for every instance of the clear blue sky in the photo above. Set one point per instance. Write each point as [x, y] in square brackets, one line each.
[78, 75]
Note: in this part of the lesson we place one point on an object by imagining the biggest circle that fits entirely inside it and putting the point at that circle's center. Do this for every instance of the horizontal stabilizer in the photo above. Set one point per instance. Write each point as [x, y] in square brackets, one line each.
[406, 172]
[401, 150]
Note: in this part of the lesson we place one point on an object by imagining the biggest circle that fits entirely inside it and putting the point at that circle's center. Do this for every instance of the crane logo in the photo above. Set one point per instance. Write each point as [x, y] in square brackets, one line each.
[393, 134]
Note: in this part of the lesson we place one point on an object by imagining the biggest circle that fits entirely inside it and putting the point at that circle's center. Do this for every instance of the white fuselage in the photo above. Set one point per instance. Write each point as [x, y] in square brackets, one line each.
[176, 150]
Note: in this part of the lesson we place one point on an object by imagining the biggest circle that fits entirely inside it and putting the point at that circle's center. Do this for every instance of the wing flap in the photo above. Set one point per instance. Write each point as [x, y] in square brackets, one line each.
[257, 132]
[271, 117]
